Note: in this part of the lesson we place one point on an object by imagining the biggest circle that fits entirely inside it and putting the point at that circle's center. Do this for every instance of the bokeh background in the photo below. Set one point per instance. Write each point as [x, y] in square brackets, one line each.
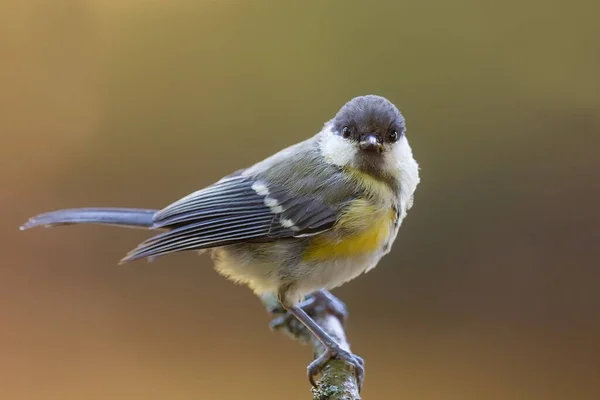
[491, 291]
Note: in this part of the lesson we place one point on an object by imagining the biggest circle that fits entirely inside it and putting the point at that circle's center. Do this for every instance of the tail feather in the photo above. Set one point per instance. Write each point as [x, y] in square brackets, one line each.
[126, 217]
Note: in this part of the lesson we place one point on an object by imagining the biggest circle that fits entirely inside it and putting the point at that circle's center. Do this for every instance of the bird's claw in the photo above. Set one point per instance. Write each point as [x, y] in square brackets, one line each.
[320, 303]
[315, 367]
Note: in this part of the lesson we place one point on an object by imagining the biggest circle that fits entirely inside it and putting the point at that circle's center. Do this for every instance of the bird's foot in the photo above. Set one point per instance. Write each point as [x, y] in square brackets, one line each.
[315, 367]
[321, 302]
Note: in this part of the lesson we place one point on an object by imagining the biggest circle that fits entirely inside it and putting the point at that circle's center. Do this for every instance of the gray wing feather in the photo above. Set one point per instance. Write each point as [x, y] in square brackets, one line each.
[232, 211]
[228, 190]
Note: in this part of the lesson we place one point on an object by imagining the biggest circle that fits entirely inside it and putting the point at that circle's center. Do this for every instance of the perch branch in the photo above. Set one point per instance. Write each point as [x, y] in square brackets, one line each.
[337, 381]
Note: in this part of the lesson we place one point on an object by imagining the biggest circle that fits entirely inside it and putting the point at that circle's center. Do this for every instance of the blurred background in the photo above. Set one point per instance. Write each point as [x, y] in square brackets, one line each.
[492, 288]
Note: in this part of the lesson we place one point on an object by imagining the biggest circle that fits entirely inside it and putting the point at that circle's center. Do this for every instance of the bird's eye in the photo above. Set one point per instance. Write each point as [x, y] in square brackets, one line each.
[393, 136]
[346, 132]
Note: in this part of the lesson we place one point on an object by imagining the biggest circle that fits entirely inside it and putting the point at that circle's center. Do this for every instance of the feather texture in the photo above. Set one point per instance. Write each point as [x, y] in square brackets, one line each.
[235, 209]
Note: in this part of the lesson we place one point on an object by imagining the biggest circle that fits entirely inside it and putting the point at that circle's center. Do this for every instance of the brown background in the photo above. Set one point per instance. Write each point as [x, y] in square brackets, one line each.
[492, 288]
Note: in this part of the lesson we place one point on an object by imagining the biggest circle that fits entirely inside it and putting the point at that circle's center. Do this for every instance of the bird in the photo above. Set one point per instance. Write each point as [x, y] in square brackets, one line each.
[310, 217]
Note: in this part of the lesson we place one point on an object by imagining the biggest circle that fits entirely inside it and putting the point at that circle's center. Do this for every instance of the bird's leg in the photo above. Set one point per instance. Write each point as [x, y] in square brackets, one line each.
[319, 302]
[332, 349]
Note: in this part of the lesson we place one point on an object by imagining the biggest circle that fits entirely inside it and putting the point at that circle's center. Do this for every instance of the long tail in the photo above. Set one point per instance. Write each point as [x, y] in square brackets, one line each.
[125, 217]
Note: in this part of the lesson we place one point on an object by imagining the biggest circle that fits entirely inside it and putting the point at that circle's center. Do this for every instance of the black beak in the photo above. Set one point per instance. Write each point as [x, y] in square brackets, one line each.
[370, 142]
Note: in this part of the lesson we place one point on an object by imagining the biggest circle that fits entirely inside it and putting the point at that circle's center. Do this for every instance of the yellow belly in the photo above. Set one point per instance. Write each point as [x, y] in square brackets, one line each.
[361, 230]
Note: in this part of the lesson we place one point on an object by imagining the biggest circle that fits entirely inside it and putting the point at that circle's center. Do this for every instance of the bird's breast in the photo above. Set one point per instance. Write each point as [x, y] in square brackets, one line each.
[362, 229]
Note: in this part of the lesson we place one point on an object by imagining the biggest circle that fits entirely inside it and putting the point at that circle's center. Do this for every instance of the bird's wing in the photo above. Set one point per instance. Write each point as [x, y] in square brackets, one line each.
[236, 209]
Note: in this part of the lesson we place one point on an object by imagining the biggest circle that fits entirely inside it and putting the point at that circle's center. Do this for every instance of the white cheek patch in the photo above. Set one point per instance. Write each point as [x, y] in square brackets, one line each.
[401, 160]
[336, 149]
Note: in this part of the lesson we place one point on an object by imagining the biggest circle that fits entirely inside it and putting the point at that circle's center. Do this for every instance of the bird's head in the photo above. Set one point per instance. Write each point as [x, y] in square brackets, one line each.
[367, 133]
